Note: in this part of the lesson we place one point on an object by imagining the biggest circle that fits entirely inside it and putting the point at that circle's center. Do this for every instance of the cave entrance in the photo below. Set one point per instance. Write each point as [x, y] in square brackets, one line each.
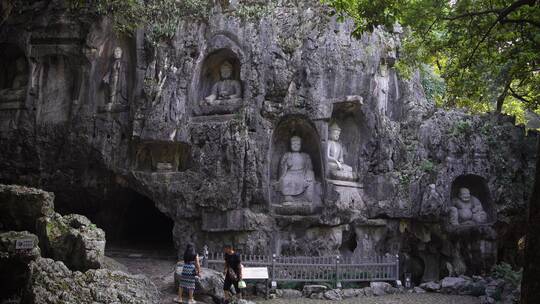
[133, 223]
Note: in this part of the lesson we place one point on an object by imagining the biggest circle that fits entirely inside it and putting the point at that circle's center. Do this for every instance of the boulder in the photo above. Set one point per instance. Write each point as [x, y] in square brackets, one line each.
[210, 283]
[418, 290]
[368, 291]
[14, 262]
[431, 286]
[288, 293]
[452, 283]
[352, 293]
[21, 206]
[72, 239]
[333, 295]
[8, 243]
[53, 282]
[380, 288]
[311, 289]
[317, 296]
[487, 300]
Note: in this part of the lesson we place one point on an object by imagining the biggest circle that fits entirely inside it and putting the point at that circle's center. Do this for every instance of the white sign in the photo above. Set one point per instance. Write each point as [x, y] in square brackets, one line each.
[255, 273]
[22, 244]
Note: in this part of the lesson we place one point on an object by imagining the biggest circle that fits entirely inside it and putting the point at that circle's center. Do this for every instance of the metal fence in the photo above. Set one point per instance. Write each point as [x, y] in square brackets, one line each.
[334, 269]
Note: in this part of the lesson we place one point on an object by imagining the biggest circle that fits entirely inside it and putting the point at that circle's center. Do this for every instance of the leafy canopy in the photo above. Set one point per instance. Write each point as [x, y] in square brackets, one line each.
[487, 51]
[159, 17]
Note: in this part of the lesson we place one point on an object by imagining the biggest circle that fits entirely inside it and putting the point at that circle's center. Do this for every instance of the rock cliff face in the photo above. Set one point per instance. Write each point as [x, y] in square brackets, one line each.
[99, 127]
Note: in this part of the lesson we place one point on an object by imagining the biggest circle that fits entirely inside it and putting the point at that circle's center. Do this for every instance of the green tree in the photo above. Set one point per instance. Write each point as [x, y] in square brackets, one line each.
[487, 52]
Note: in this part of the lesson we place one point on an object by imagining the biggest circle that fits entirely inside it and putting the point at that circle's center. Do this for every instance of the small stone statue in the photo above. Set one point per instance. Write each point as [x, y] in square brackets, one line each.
[226, 89]
[467, 209]
[334, 155]
[296, 182]
[16, 91]
[432, 203]
[116, 80]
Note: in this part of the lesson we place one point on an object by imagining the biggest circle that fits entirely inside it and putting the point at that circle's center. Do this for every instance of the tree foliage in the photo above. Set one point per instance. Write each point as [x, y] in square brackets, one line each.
[487, 51]
[159, 17]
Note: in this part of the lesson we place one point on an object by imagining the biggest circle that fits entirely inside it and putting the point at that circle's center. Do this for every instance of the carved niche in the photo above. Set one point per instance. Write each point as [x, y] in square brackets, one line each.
[13, 77]
[162, 157]
[295, 168]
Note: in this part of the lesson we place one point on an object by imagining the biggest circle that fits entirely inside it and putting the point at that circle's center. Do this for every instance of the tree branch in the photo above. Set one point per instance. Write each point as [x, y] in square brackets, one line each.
[471, 14]
[521, 21]
[516, 95]
[505, 12]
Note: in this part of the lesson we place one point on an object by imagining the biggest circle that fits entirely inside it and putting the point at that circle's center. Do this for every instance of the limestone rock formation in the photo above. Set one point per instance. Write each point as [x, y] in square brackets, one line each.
[299, 71]
[20, 207]
[72, 238]
[52, 282]
[14, 261]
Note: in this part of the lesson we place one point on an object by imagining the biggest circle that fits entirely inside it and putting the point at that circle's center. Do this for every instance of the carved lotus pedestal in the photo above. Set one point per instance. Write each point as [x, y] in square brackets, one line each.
[341, 175]
[219, 107]
[295, 208]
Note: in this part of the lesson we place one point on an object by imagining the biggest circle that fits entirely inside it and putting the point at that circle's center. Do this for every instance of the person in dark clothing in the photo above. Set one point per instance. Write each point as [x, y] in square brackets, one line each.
[232, 272]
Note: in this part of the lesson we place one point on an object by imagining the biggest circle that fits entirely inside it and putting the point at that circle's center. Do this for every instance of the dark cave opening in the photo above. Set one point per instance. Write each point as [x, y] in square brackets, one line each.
[132, 221]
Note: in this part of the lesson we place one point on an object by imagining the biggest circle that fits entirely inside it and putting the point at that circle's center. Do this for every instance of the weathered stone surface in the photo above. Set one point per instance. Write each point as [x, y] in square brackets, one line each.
[453, 283]
[53, 282]
[72, 239]
[430, 286]
[333, 295]
[417, 289]
[288, 293]
[380, 288]
[8, 245]
[299, 71]
[352, 293]
[20, 207]
[14, 262]
[368, 291]
[308, 290]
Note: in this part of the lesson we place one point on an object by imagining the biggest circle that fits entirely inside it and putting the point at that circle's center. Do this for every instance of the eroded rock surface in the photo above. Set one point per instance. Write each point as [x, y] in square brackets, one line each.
[52, 282]
[299, 72]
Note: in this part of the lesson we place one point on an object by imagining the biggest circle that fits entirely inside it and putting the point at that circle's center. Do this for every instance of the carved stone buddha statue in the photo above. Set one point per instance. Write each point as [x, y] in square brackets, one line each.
[16, 90]
[226, 89]
[296, 181]
[334, 155]
[116, 80]
[467, 209]
[225, 95]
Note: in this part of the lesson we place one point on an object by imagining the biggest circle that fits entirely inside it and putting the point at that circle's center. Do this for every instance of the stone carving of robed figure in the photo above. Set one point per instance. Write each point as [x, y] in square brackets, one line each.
[17, 89]
[226, 89]
[467, 209]
[116, 80]
[296, 181]
[338, 169]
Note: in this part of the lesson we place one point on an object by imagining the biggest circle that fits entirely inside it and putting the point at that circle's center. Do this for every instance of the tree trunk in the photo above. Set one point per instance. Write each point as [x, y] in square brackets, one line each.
[530, 286]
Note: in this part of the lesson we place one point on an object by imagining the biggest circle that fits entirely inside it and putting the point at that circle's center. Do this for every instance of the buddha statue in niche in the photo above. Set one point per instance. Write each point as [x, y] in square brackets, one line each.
[466, 209]
[334, 156]
[116, 80]
[296, 181]
[17, 89]
[226, 90]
